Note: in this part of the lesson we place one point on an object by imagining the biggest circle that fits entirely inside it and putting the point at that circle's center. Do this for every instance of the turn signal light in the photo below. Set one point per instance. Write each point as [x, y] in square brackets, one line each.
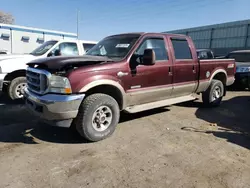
[67, 90]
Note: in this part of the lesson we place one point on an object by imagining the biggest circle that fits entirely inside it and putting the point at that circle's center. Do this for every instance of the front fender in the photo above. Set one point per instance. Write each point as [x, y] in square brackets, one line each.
[94, 81]
[13, 64]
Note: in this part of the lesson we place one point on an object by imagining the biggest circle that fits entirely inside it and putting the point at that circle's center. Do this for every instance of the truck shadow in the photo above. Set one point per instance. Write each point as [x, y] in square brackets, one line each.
[17, 125]
[231, 120]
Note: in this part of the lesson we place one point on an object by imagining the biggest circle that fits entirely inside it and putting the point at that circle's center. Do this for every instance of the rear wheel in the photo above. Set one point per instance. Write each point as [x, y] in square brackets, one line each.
[213, 95]
[98, 117]
[16, 88]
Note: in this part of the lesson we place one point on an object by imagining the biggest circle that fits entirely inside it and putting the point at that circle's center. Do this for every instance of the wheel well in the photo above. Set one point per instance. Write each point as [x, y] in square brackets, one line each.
[11, 76]
[223, 78]
[109, 90]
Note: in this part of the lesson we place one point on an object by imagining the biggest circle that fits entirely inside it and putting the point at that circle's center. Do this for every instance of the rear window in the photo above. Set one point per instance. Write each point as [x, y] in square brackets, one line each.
[181, 49]
[87, 46]
[240, 57]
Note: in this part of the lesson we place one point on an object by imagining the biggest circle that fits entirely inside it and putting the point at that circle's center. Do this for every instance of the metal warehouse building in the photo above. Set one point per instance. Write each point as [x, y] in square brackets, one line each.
[221, 38]
[19, 39]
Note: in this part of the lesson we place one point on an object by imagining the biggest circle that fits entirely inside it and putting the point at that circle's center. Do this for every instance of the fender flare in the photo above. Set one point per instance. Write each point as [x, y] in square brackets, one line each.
[216, 72]
[105, 82]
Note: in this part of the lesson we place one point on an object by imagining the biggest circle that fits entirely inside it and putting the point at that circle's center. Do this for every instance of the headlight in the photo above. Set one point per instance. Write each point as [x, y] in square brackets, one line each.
[59, 84]
[243, 69]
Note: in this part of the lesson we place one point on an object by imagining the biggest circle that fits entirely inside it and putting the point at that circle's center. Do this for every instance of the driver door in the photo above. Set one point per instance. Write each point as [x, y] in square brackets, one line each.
[149, 83]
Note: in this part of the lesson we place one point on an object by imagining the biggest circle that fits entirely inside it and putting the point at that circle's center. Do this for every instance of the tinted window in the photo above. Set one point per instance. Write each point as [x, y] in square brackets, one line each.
[240, 57]
[210, 55]
[181, 49]
[43, 48]
[158, 45]
[68, 48]
[87, 46]
[202, 55]
[205, 54]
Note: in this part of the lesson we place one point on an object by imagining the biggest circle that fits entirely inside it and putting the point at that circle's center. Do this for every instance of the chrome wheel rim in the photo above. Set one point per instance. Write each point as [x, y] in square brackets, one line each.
[102, 118]
[20, 89]
[216, 93]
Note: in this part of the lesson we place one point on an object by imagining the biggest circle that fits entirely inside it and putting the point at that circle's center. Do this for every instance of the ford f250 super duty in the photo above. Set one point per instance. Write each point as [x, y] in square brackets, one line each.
[129, 72]
[13, 67]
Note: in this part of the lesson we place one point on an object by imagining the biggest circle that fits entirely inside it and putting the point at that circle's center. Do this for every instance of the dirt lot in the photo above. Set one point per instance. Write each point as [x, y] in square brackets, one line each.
[179, 146]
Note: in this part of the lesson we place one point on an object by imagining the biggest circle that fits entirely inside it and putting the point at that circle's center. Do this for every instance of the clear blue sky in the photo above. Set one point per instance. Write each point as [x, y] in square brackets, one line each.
[99, 18]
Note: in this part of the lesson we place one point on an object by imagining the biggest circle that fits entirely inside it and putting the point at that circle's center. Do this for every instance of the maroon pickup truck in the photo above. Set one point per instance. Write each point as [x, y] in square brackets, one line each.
[129, 72]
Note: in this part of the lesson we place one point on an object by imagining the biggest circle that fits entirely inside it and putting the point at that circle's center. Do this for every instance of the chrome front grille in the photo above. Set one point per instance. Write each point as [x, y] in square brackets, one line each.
[37, 80]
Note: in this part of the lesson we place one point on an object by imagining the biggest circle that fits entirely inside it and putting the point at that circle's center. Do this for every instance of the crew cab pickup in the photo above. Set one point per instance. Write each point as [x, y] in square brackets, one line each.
[129, 72]
[13, 67]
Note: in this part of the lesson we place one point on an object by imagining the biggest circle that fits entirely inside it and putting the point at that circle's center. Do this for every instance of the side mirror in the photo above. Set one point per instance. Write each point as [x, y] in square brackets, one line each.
[148, 57]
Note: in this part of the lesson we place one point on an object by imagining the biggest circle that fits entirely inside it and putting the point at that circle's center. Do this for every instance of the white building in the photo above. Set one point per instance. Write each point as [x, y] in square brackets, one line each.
[20, 39]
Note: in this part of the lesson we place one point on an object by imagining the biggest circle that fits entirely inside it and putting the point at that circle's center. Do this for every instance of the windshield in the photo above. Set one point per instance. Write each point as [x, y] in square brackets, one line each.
[114, 46]
[240, 57]
[43, 48]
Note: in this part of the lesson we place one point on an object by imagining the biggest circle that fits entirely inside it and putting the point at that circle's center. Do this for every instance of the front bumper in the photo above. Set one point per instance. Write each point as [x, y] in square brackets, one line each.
[57, 110]
[2, 76]
[242, 78]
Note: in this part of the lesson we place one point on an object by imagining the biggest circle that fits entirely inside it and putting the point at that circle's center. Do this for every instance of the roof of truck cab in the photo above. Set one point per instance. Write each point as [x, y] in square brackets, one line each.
[150, 33]
[73, 40]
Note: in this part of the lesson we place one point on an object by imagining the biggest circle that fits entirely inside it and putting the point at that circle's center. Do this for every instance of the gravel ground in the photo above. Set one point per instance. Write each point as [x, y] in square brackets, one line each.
[183, 145]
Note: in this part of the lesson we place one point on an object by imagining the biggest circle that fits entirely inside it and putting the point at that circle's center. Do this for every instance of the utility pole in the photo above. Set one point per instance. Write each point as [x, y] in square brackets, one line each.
[77, 24]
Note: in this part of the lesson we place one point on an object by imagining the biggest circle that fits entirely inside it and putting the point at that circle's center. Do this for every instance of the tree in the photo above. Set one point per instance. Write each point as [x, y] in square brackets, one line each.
[6, 18]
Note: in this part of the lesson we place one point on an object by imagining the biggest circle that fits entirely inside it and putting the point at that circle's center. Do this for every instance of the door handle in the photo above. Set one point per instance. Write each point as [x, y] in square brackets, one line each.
[169, 71]
[194, 71]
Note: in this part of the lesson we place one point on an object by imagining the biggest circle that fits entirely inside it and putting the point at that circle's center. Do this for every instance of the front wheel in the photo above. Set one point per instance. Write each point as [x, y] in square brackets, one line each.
[16, 88]
[98, 117]
[213, 95]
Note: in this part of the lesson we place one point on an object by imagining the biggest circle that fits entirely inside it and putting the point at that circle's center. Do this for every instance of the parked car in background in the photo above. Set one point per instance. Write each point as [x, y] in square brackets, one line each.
[13, 67]
[242, 76]
[127, 72]
[205, 54]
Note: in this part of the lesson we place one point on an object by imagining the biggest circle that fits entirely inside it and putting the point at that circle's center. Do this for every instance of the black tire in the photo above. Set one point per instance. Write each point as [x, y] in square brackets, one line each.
[207, 96]
[13, 87]
[84, 123]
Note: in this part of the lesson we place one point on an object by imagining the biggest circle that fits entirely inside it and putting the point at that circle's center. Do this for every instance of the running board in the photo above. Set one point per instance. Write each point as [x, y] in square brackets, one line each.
[157, 104]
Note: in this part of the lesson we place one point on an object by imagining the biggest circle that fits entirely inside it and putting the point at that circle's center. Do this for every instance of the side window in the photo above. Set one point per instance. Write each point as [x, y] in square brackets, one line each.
[68, 48]
[181, 49]
[87, 46]
[203, 55]
[210, 55]
[157, 44]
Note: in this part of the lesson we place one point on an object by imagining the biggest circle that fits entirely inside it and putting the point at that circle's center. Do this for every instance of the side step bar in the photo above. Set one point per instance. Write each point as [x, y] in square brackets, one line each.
[157, 104]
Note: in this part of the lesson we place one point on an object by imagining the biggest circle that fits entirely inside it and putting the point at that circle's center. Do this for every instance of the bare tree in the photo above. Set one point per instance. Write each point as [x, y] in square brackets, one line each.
[6, 18]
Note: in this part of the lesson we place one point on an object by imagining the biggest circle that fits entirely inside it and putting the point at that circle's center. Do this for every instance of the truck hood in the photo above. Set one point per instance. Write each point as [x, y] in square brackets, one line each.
[57, 63]
[14, 56]
[242, 64]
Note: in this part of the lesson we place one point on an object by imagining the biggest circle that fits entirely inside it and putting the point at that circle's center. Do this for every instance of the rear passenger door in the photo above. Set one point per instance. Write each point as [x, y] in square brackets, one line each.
[185, 74]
